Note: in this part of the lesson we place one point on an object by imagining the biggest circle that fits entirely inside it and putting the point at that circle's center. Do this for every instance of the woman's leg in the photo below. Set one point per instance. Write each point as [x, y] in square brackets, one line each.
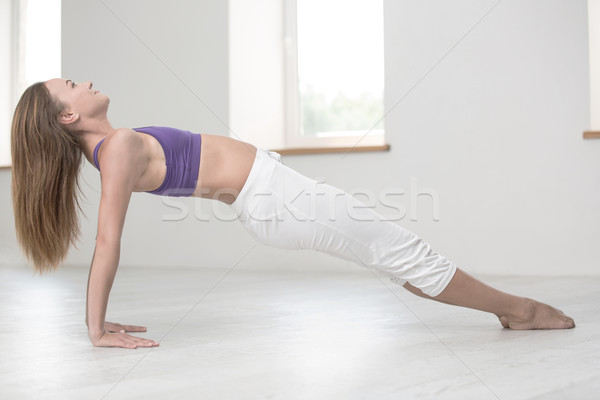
[513, 312]
[285, 209]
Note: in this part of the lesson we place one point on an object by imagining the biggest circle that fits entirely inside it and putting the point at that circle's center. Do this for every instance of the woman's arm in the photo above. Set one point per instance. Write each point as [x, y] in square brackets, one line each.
[121, 164]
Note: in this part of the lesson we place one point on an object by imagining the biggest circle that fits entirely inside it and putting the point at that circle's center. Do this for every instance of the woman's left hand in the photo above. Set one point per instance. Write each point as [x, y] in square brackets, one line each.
[118, 328]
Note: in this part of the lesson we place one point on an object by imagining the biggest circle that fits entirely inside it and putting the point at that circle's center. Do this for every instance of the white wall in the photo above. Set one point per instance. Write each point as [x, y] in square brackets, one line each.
[494, 129]
[497, 128]
[256, 72]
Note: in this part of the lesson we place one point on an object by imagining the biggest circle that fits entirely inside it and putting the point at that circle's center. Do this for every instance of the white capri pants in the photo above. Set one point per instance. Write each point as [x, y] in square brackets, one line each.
[285, 209]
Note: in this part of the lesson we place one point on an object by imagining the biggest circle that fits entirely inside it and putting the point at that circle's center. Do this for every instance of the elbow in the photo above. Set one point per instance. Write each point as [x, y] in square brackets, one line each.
[107, 251]
[109, 241]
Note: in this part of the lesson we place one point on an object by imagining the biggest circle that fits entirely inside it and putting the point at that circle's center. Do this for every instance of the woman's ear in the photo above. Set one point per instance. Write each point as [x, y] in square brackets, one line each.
[67, 118]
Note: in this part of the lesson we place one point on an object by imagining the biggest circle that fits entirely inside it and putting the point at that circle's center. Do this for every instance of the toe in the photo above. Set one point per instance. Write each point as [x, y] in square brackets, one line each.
[570, 322]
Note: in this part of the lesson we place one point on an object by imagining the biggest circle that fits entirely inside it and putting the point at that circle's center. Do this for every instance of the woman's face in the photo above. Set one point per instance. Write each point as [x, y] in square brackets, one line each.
[79, 99]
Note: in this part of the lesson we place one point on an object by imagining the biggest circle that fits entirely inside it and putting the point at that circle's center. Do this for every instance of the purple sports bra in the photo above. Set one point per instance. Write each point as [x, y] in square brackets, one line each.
[182, 157]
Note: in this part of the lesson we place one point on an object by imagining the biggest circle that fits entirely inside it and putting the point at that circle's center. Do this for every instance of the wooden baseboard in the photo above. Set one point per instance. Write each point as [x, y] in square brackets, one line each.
[591, 135]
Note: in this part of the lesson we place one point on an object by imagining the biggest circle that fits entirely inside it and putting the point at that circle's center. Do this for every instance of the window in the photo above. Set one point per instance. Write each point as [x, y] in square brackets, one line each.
[306, 73]
[39, 42]
[6, 79]
[334, 73]
[31, 49]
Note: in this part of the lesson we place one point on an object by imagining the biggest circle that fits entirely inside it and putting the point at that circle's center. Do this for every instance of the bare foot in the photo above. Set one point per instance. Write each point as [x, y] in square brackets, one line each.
[536, 315]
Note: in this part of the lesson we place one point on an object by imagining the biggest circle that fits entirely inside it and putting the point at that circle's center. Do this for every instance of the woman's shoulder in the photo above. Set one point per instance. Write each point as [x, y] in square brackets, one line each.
[123, 136]
[122, 143]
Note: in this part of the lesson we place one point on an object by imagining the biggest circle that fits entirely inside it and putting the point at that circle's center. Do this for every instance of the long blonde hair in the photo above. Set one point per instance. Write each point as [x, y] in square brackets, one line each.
[46, 159]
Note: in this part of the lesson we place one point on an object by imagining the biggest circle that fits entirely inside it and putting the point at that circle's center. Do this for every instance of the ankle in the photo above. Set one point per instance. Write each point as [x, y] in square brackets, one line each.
[524, 311]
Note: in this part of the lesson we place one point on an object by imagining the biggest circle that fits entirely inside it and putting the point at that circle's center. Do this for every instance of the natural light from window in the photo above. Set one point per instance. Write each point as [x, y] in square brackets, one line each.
[40, 42]
[31, 49]
[340, 67]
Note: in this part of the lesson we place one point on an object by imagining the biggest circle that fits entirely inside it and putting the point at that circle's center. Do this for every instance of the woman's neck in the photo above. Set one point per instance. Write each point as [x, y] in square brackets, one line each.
[92, 133]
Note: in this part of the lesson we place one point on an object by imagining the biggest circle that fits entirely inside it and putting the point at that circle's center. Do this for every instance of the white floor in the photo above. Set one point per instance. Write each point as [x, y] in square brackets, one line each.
[251, 334]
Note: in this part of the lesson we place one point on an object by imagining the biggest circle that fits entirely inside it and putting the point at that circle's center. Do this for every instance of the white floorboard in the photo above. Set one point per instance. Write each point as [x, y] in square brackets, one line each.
[289, 334]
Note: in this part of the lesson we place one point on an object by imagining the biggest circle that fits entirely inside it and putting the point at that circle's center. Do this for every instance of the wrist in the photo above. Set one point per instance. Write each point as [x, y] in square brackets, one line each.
[96, 334]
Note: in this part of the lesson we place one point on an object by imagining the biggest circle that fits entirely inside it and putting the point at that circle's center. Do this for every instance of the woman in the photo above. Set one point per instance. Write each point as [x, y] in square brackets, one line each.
[58, 122]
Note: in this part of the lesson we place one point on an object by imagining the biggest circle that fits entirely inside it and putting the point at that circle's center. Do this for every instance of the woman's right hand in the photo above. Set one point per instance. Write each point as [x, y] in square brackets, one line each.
[124, 340]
